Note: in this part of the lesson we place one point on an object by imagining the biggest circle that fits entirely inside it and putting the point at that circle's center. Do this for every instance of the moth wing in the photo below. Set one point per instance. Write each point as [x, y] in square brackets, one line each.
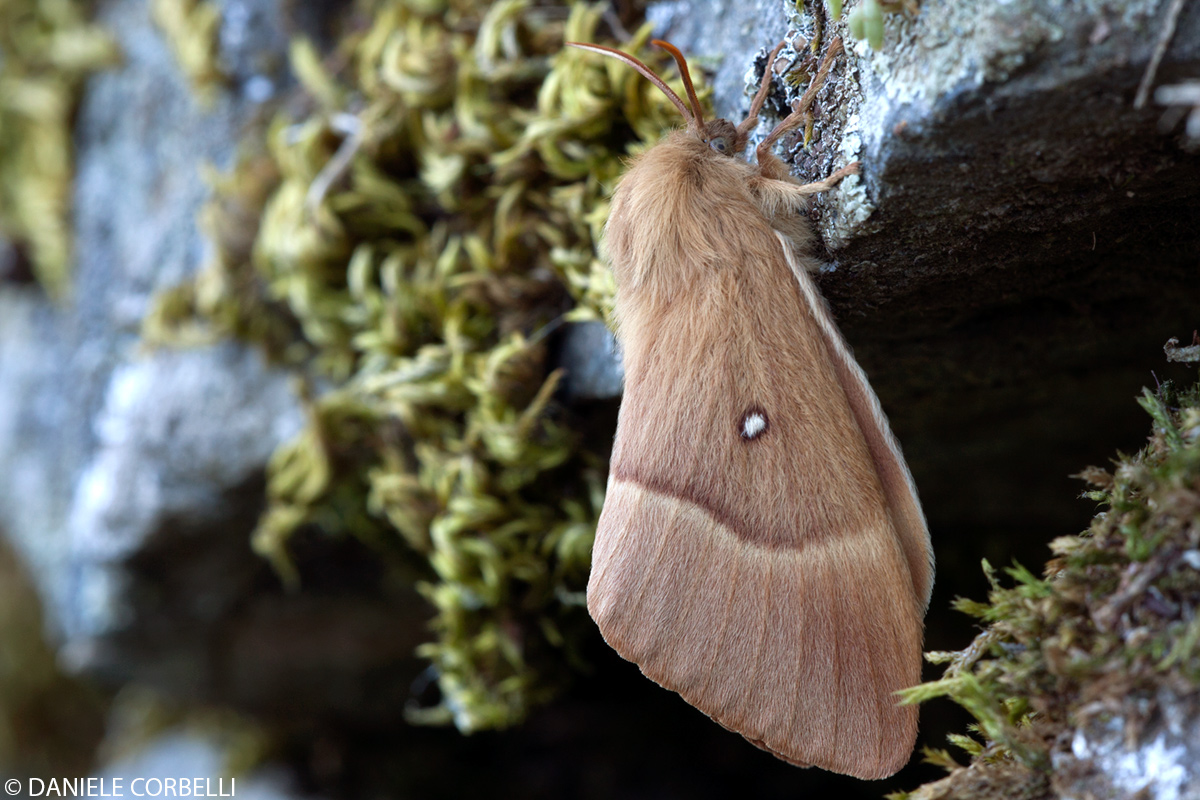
[901, 492]
[758, 571]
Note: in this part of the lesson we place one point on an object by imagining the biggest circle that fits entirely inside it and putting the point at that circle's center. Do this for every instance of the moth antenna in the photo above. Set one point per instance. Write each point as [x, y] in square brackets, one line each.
[760, 97]
[647, 73]
[687, 78]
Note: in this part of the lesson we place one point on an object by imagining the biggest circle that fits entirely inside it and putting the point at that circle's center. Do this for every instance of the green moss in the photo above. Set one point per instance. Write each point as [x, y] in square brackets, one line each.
[1112, 620]
[866, 20]
[407, 244]
[191, 27]
[47, 49]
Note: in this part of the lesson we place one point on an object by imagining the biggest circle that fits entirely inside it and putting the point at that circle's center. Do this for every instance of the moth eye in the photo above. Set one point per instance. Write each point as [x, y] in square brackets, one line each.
[719, 144]
[753, 424]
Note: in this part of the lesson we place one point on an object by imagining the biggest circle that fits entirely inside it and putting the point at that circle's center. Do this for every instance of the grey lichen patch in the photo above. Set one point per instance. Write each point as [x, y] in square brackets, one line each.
[854, 206]
[47, 49]
[1085, 681]
[953, 44]
[843, 124]
[408, 243]
[950, 46]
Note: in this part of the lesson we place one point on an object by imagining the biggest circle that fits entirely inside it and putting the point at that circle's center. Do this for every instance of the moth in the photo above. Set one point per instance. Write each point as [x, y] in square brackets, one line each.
[761, 550]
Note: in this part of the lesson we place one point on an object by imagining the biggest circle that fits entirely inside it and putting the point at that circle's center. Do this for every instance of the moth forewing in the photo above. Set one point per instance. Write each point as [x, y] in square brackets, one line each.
[896, 480]
[761, 549]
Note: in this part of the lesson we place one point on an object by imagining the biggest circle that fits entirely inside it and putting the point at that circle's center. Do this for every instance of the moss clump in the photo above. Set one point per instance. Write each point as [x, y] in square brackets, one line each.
[1112, 622]
[407, 242]
[47, 49]
[866, 20]
[192, 27]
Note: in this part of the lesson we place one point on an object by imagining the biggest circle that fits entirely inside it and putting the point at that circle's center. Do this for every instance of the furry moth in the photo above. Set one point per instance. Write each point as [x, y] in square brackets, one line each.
[761, 550]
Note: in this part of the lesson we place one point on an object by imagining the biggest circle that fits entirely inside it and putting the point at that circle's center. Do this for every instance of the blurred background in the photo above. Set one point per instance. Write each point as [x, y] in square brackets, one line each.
[306, 395]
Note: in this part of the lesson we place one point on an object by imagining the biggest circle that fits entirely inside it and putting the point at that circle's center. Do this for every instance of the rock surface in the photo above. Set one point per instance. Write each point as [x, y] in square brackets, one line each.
[191, 756]
[141, 141]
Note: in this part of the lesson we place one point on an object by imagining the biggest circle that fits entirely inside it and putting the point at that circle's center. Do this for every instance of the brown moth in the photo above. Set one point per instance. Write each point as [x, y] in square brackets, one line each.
[761, 550]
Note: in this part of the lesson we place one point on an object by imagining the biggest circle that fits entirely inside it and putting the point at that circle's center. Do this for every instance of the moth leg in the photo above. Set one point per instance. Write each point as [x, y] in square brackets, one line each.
[772, 167]
[779, 195]
[833, 180]
[800, 112]
[745, 126]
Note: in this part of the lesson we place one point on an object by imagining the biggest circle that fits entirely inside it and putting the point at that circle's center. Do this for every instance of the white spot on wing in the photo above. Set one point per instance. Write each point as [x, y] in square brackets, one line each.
[753, 424]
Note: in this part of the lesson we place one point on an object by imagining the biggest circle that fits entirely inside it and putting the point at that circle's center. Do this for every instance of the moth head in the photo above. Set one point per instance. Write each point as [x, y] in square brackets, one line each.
[721, 136]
